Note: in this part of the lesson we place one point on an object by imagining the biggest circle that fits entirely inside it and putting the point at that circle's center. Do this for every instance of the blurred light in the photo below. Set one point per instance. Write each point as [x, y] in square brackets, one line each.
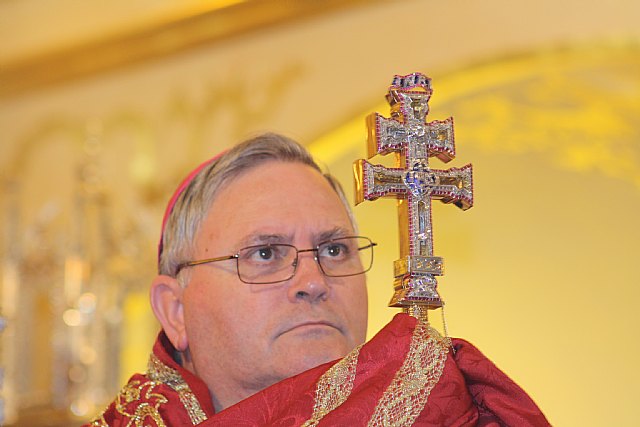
[72, 317]
[88, 355]
[87, 303]
[81, 407]
[113, 316]
[77, 374]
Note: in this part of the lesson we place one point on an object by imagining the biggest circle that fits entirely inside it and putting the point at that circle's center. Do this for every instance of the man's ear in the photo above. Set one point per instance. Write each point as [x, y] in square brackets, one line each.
[166, 302]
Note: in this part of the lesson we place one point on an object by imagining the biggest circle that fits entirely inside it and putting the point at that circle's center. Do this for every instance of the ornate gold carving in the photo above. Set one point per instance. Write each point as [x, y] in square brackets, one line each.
[185, 29]
[572, 107]
[236, 96]
[88, 156]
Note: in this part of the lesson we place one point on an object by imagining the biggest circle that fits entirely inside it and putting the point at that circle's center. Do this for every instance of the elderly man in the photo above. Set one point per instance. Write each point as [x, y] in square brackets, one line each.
[263, 305]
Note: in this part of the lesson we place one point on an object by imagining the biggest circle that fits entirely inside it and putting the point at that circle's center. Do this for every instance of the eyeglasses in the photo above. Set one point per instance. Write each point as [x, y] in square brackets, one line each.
[277, 262]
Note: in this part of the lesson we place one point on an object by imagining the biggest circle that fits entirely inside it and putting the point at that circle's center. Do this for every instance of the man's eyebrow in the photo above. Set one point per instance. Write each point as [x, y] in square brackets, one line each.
[258, 239]
[334, 233]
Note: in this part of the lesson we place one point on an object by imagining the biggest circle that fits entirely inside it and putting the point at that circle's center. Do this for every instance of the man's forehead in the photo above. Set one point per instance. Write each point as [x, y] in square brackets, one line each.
[316, 236]
[277, 206]
[278, 168]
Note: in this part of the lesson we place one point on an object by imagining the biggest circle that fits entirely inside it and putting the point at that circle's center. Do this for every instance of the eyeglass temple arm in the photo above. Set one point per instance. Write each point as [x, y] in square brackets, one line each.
[204, 261]
[368, 246]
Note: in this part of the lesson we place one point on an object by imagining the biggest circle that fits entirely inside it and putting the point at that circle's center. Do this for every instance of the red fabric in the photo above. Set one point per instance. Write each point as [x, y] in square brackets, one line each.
[163, 350]
[499, 400]
[141, 392]
[471, 391]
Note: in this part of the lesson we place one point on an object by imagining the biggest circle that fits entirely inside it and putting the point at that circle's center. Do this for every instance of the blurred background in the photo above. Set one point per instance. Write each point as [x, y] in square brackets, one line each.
[105, 106]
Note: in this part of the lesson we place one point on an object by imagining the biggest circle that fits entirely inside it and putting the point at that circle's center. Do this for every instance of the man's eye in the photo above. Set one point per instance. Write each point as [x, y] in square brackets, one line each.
[334, 250]
[265, 253]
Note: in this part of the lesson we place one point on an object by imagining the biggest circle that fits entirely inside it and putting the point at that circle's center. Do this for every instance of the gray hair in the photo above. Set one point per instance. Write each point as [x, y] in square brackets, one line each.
[193, 204]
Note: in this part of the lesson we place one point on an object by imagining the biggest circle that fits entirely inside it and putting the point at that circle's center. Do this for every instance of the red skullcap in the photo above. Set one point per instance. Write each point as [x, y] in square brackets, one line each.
[185, 182]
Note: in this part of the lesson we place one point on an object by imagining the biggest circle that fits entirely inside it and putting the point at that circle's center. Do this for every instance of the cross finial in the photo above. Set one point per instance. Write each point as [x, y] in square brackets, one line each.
[414, 184]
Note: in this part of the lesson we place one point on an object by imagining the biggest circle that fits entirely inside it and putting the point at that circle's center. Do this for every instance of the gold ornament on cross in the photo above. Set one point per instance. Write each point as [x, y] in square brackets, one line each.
[414, 184]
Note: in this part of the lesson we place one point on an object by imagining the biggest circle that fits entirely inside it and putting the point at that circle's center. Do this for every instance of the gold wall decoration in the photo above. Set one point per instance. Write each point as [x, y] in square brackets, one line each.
[82, 203]
[573, 107]
[188, 27]
[541, 273]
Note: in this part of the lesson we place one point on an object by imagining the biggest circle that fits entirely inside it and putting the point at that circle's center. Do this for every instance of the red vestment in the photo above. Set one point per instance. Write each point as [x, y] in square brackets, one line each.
[393, 377]
[167, 395]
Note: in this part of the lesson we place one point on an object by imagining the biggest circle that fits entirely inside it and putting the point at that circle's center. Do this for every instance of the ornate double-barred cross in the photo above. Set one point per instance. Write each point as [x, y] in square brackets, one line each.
[414, 183]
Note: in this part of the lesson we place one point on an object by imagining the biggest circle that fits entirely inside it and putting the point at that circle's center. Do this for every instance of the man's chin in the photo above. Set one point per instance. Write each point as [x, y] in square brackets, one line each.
[307, 348]
[308, 358]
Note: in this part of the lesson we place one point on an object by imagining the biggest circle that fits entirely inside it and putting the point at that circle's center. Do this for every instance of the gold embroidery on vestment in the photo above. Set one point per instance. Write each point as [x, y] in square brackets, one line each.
[408, 393]
[334, 387]
[138, 401]
[138, 413]
[158, 371]
[99, 422]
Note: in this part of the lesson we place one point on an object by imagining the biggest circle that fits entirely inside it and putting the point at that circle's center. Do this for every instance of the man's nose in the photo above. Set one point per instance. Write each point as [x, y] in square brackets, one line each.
[309, 283]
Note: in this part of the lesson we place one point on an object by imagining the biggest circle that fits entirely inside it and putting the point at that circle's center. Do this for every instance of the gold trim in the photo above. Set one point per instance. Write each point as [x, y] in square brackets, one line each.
[483, 76]
[334, 387]
[157, 39]
[408, 393]
[99, 422]
[406, 396]
[159, 372]
[147, 404]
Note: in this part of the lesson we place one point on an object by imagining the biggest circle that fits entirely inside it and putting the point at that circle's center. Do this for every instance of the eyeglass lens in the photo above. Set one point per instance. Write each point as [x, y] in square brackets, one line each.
[277, 262]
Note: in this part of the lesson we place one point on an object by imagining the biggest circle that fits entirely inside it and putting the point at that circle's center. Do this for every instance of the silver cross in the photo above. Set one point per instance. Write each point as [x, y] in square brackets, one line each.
[413, 183]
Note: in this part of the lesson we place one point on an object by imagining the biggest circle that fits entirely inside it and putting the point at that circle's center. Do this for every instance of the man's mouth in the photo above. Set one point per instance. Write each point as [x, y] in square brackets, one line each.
[310, 326]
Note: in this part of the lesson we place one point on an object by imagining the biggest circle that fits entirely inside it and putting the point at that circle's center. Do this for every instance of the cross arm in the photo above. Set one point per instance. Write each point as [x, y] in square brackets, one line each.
[389, 135]
[453, 185]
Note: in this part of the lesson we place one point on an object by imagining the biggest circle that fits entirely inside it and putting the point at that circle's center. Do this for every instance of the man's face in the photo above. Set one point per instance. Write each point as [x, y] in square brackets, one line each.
[245, 337]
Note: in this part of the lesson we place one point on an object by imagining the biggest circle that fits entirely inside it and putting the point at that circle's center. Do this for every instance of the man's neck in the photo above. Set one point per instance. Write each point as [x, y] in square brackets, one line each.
[223, 395]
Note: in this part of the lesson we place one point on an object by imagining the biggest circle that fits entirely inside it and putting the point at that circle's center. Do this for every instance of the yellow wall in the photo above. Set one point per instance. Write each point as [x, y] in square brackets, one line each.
[541, 273]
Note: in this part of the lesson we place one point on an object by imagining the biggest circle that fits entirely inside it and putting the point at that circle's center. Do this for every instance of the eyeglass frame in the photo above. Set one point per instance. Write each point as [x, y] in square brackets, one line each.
[236, 256]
